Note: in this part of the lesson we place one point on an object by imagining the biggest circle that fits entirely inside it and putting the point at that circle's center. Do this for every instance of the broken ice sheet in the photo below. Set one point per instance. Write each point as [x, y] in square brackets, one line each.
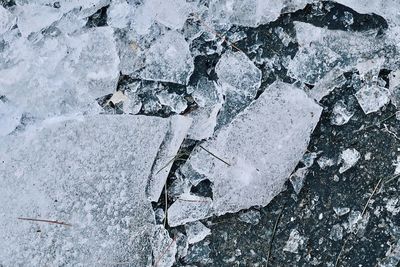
[51, 172]
[60, 75]
[250, 13]
[208, 96]
[7, 20]
[348, 158]
[176, 102]
[341, 113]
[372, 97]
[266, 140]
[164, 248]
[172, 14]
[196, 231]
[240, 80]
[325, 54]
[188, 208]
[168, 60]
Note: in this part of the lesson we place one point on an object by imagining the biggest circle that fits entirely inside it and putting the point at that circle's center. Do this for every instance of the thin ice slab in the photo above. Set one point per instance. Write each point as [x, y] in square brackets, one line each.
[249, 160]
[88, 172]
[168, 60]
[59, 76]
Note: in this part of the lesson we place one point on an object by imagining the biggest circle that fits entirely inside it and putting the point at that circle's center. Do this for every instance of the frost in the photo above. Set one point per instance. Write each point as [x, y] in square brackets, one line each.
[251, 150]
[168, 60]
[59, 178]
[188, 208]
[340, 113]
[294, 242]
[348, 158]
[196, 232]
[251, 217]
[372, 97]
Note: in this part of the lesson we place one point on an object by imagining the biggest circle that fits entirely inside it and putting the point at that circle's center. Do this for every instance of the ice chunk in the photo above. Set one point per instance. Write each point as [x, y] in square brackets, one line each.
[168, 60]
[60, 75]
[208, 96]
[33, 18]
[238, 71]
[188, 208]
[336, 233]
[178, 128]
[324, 162]
[51, 172]
[172, 14]
[325, 54]
[294, 242]
[119, 14]
[340, 113]
[251, 217]
[266, 140]
[6, 20]
[297, 179]
[240, 80]
[10, 117]
[341, 211]
[372, 97]
[164, 248]
[385, 8]
[176, 102]
[196, 231]
[348, 158]
[250, 12]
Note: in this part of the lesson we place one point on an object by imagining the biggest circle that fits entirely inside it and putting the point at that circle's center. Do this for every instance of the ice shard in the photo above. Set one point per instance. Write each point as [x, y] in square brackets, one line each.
[87, 177]
[249, 160]
[168, 60]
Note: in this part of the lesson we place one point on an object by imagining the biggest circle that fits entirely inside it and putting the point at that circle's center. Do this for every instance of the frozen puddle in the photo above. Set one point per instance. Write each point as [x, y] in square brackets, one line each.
[249, 160]
[89, 172]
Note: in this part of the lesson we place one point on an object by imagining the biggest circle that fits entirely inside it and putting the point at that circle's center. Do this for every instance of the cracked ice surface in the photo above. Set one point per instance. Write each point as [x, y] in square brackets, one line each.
[325, 54]
[262, 146]
[59, 75]
[90, 172]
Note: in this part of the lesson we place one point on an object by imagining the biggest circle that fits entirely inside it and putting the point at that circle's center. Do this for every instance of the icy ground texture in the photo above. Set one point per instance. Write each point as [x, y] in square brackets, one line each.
[80, 172]
[257, 151]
